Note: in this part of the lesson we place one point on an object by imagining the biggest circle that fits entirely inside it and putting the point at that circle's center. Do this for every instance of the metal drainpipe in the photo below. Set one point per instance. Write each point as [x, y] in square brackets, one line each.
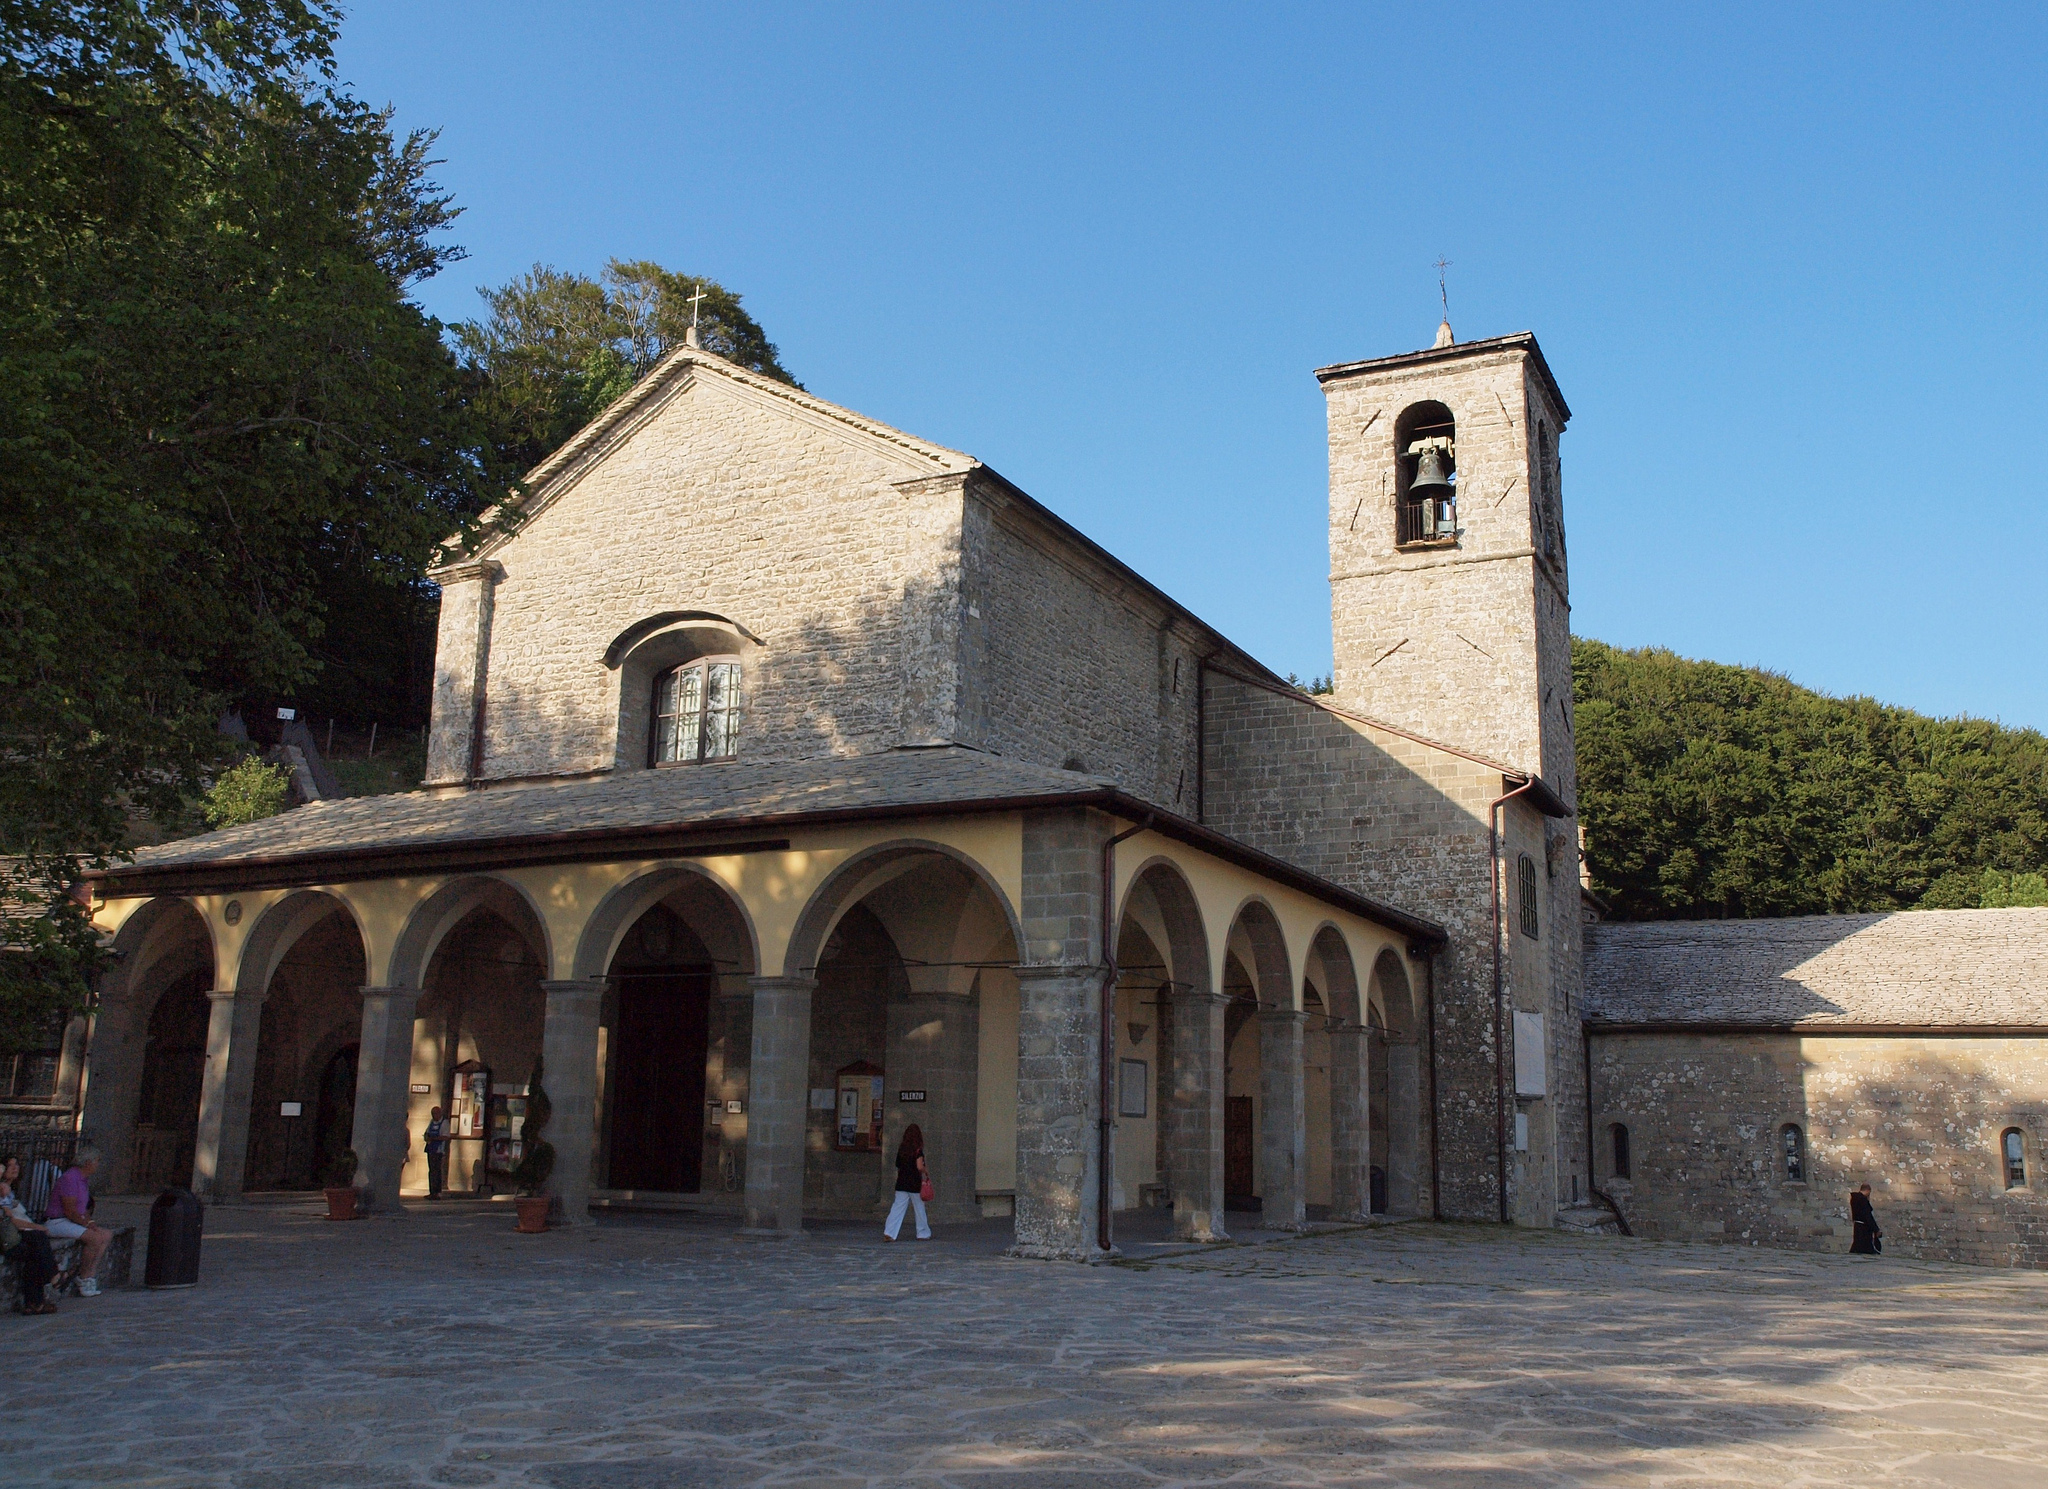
[1436, 1188]
[1106, 1140]
[1500, 1069]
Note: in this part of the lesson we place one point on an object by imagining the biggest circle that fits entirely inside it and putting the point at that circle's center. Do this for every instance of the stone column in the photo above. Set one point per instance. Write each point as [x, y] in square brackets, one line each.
[935, 1046]
[221, 1148]
[383, 1080]
[1059, 1043]
[778, 1097]
[568, 1052]
[1404, 1127]
[461, 668]
[1283, 1124]
[1195, 1152]
[1350, 1125]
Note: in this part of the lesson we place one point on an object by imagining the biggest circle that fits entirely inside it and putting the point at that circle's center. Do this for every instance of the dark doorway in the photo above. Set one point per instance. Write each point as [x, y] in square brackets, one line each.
[334, 1126]
[1238, 1178]
[173, 1070]
[658, 1112]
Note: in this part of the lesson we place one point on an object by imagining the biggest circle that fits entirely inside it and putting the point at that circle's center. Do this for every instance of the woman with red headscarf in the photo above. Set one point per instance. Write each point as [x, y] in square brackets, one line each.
[913, 1182]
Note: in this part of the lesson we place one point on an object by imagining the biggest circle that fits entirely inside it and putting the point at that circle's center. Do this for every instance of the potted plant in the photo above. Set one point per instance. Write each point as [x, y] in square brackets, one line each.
[340, 1183]
[536, 1159]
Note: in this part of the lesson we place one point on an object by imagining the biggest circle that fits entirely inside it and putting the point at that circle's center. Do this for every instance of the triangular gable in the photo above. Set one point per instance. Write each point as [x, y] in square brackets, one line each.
[674, 375]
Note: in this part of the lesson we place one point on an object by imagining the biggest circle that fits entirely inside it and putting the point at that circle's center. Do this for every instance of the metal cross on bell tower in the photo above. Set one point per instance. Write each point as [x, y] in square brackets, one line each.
[1443, 331]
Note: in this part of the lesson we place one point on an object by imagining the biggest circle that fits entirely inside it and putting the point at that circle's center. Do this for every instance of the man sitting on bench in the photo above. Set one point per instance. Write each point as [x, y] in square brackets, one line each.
[70, 1219]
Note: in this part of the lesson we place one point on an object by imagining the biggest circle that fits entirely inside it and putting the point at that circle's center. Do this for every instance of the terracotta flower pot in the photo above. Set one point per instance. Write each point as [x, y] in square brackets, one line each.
[533, 1213]
[341, 1203]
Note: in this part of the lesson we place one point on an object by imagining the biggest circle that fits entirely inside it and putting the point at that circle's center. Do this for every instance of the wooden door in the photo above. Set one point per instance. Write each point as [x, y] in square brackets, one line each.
[1237, 1152]
[658, 1111]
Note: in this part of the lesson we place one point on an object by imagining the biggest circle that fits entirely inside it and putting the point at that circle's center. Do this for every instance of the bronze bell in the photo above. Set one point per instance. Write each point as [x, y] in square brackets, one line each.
[1430, 479]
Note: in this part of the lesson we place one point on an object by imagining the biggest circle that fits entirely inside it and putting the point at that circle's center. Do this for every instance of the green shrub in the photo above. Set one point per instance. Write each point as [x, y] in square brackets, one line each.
[247, 791]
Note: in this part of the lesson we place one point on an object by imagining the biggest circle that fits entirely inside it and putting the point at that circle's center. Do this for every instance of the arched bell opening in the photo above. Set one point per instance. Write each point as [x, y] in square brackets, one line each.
[913, 1020]
[1426, 475]
[673, 1036]
[311, 1009]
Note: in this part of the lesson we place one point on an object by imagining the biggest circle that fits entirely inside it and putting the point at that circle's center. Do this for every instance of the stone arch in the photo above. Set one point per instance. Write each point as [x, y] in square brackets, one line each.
[864, 873]
[1394, 1086]
[311, 994]
[1267, 943]
[162, 942]
[440, 912]
[620, 910]
[279, 927]
[1341, 1132]
[1180, 915]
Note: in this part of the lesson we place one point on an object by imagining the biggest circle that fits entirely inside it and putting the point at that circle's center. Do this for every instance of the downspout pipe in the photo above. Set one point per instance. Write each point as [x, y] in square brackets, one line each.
[1106, 1122]
[1494, 833]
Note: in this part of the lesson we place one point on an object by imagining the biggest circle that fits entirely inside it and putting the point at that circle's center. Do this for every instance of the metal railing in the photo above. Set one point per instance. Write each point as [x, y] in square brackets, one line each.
[1431, 520]
[44, 1154]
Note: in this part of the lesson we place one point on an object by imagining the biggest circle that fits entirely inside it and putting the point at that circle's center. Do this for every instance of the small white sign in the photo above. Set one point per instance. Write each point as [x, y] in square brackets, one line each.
[290, 1108]
[736, 1106]
[911, 1096]
[287, 714]
[421, 1088]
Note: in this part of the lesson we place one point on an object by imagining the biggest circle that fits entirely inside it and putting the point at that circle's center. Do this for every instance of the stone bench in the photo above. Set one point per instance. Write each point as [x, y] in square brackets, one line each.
[116, 1269]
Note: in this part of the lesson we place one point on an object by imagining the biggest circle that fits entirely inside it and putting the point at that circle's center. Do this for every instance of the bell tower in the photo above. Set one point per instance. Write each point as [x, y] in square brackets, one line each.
[1449, 598]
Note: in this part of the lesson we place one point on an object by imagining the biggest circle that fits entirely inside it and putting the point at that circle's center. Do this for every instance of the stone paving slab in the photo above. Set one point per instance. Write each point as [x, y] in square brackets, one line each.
[667, 1353]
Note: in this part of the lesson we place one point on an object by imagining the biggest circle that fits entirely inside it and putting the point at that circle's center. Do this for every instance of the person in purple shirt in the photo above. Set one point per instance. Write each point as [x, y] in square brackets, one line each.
[70, 1219]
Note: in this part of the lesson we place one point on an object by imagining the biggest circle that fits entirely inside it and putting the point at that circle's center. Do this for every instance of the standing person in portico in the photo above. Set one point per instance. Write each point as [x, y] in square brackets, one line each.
[911, 1178]
[436, 1142]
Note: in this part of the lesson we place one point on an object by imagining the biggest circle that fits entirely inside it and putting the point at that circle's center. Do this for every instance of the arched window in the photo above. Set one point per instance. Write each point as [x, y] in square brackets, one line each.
[1620, 1136]
[1526, 873]
[1426, 476]
[1792, 1145]
[697, 712]
[2014, 1146]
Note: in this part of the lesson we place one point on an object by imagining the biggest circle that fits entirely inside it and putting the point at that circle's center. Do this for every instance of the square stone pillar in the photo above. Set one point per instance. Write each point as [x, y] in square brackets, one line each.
[1195, 1141]
[568, 1053]
[1405, 1180]
[935, 1046]
[1059, 1043]
[383, 1086]
[1283, 1125]
[221, 1147]
[778, 1099]
[1350, 1124]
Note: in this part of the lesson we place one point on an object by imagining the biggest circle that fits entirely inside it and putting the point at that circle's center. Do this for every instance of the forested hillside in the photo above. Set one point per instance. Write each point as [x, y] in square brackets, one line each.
[1710, 791]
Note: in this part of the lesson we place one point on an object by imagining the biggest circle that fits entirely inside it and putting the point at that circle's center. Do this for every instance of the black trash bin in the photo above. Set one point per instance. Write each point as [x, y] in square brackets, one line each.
[175, 1221]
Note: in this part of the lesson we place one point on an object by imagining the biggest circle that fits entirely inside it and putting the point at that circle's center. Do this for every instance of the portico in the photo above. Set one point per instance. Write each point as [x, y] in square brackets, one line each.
[698, 964]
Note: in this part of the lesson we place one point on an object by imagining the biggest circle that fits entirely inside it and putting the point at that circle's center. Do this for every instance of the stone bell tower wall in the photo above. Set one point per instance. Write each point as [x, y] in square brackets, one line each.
[1465, 640]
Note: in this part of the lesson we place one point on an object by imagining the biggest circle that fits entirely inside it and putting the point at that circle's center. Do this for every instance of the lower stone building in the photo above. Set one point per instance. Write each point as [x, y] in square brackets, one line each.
[1744, 1076]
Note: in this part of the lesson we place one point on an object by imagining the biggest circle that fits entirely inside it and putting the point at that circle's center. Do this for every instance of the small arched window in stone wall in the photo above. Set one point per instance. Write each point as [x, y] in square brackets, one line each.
[1526, 874]
[1619, 1134]
[696, 712]
[2013, 1144]
[1792, 1151]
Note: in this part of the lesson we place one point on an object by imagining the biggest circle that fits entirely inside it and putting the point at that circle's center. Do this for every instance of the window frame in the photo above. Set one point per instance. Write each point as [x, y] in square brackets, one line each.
[1525, 876]
[734, 713]
[2013, 1169]
[1618, 1151]
[1792, 1164]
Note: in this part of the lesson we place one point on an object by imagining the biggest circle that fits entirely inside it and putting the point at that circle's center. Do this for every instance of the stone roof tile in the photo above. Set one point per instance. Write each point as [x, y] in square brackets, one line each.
[1915, 967]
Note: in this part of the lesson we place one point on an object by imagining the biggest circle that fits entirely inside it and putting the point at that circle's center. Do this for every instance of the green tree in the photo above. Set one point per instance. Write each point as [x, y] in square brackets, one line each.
[221, 405]
[556, 348]
[248, 791]
[1711, 791]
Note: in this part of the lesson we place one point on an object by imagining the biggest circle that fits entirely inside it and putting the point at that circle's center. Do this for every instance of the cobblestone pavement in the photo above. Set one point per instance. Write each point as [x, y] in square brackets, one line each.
[658, 1354]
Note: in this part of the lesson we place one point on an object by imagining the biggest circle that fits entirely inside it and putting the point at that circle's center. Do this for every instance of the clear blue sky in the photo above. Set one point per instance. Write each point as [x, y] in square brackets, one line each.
[1786, 263]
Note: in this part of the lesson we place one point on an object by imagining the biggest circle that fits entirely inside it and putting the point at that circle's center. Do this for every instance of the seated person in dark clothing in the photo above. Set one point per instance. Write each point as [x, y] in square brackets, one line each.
[26, 1244]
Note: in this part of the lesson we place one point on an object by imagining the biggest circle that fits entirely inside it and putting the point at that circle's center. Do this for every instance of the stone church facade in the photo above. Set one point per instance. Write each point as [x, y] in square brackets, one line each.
[792, 779]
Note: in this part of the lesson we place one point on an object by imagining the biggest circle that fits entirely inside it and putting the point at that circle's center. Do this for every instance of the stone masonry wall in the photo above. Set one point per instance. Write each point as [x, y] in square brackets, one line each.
[1061, 666]
[1918, 1119]
[787, 526]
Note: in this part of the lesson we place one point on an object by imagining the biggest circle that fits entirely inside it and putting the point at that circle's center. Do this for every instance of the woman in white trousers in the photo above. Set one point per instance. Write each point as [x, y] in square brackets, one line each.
[911, 1177]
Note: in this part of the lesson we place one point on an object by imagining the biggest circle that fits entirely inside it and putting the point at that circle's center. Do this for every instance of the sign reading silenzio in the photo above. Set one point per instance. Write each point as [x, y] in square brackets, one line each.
[910, 1095]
